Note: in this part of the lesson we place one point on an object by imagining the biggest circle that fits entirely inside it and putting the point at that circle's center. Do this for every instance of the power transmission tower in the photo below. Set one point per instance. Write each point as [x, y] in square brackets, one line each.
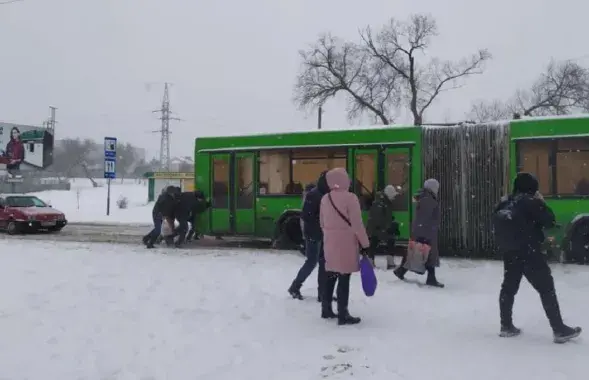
[50, 123]
[165, 130]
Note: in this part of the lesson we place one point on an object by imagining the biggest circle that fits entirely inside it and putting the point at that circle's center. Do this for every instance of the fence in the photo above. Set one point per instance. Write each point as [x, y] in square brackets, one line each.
[472, 164]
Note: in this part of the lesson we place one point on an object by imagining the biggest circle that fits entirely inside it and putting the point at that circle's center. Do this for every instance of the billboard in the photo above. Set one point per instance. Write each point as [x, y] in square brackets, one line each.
[24, 148]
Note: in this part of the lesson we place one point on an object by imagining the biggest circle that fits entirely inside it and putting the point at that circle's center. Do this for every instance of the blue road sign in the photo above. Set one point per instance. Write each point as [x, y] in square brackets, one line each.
[110, 157]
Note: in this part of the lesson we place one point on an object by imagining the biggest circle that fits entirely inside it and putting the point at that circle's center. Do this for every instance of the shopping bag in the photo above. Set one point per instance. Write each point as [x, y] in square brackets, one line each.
[167, 228]
[368, 276]
[417, 254]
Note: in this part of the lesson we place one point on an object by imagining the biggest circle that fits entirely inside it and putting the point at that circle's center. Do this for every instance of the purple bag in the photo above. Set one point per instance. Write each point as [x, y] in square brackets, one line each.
[368, 276]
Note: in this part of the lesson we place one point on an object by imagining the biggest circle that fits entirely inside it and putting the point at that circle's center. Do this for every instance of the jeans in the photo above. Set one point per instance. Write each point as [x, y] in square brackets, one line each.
[314, 254]
[157, 228]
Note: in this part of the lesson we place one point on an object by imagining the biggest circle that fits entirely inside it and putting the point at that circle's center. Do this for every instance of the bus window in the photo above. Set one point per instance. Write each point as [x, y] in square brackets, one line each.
[245, 182]
[365, 181]
[220, 183]
[534, 157]
[307, 164]
[274, 172]
[398, 175]
[572, 166]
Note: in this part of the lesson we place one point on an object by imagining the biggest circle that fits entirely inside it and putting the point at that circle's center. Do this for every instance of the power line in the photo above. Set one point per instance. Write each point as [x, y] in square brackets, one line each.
[165, 130]
[9, 1]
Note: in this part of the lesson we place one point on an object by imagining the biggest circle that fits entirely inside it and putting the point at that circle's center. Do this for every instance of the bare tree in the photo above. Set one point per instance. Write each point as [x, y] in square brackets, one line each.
[485, 111]
[331, 66]
[398, 46]
[562, 89]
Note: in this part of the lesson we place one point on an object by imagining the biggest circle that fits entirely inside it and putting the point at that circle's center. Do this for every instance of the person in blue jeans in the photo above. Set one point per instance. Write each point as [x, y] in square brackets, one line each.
[313, 240]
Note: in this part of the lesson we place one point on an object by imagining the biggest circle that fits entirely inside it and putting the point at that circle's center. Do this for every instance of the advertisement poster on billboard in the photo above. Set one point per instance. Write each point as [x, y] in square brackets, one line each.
[24, 148]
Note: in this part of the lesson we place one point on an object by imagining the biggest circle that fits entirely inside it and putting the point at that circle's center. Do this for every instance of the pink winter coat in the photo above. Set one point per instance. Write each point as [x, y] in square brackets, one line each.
[341, 242]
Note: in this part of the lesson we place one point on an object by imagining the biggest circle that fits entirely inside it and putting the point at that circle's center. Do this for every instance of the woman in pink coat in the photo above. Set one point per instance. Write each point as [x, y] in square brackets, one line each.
[343, 235]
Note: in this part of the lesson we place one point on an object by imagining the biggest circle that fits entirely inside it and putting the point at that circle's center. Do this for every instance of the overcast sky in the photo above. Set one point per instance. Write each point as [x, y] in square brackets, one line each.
[233, 62]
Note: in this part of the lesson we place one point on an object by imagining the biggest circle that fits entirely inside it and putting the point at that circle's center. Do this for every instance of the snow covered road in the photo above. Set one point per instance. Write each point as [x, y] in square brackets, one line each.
[114, 311]
[124, 233]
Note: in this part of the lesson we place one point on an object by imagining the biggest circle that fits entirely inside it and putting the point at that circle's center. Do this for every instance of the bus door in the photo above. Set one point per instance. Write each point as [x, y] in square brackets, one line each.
[397, 165]
[243, 194]
[365, 176]
[220, 193]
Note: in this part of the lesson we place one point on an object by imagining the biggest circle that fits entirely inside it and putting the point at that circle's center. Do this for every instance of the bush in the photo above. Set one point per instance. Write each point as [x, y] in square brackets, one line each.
[122, 202]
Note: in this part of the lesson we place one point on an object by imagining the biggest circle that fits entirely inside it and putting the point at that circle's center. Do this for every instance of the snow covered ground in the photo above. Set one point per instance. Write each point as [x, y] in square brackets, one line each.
[91, 311]
[84, 203]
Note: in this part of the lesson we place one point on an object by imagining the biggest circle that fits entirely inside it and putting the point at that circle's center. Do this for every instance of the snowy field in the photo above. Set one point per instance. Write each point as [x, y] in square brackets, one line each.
[83, 311]
[86, 204]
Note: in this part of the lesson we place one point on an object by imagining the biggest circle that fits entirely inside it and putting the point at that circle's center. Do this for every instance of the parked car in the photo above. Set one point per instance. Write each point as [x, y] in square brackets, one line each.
[27, 213]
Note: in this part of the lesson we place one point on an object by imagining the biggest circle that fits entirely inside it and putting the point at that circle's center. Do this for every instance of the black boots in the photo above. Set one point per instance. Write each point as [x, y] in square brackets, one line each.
[327, 296]
[295, 290]
[508, 331]
[343, 296]
[431, 278]
[566, 333]
[400, 272]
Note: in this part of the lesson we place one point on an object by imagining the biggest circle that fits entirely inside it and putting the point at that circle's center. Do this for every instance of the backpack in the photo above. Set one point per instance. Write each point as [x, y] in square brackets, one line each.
[507, 222]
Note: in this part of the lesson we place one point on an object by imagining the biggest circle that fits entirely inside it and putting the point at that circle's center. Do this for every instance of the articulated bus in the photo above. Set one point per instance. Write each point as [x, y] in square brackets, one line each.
[255, 182]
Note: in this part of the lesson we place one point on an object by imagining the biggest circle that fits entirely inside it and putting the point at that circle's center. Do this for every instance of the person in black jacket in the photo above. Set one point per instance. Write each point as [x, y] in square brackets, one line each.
[313, 240]
[191, 203]
[164, 207]
[201, 205]
[518, 224]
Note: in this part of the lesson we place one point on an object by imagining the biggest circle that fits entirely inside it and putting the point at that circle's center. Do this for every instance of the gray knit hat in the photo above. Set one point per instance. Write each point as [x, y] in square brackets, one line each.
[432, 185]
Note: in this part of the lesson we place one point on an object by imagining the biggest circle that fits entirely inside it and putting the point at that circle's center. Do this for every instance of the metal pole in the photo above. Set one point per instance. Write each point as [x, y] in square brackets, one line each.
[319, 113]
[108, 198]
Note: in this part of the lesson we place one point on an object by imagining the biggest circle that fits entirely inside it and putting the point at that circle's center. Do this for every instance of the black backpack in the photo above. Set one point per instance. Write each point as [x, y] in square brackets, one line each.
[507, 224]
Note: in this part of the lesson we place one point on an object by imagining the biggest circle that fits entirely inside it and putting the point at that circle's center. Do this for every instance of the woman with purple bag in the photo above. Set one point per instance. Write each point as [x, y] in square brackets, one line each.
[343, 235]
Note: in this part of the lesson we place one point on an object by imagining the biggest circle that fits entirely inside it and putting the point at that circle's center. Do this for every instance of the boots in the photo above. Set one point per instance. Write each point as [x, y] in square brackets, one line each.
[566, 333]
[295, 290]
[400, 272]
[343, 296]
[508, 331]
[431, 278]
[327, 296]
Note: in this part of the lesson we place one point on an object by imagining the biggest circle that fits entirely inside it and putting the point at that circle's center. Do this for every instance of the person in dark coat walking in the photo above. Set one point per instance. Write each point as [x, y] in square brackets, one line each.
[164, 207]
[518, 224]
[313, 240]
[381, 226]
[424, 230]
[306, 191]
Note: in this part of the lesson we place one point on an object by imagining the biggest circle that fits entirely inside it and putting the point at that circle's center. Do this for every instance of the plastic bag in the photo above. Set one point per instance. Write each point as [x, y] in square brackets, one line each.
[417, 255]
[167, 228]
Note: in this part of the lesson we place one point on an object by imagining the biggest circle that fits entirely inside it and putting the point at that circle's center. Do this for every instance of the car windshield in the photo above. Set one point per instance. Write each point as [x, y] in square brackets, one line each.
[24, 202]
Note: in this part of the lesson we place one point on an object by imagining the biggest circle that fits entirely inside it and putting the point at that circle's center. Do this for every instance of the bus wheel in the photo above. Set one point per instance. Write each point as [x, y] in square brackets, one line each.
[579, 245]
[290, 236]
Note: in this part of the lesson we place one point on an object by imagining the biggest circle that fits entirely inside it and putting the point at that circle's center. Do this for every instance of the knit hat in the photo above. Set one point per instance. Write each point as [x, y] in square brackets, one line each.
[391, 192]
[432, 185]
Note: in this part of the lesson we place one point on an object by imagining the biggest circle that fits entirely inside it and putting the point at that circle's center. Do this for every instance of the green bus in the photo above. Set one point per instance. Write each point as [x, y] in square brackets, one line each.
[255, 182]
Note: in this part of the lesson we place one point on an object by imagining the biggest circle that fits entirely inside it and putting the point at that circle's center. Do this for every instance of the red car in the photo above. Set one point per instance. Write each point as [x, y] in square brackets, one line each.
[27, 213]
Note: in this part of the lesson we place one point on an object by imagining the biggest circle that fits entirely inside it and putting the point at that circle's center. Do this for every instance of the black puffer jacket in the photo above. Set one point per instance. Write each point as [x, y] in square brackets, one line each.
[191, 203]
[528, 217]
[165, 206]
[311, 207]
